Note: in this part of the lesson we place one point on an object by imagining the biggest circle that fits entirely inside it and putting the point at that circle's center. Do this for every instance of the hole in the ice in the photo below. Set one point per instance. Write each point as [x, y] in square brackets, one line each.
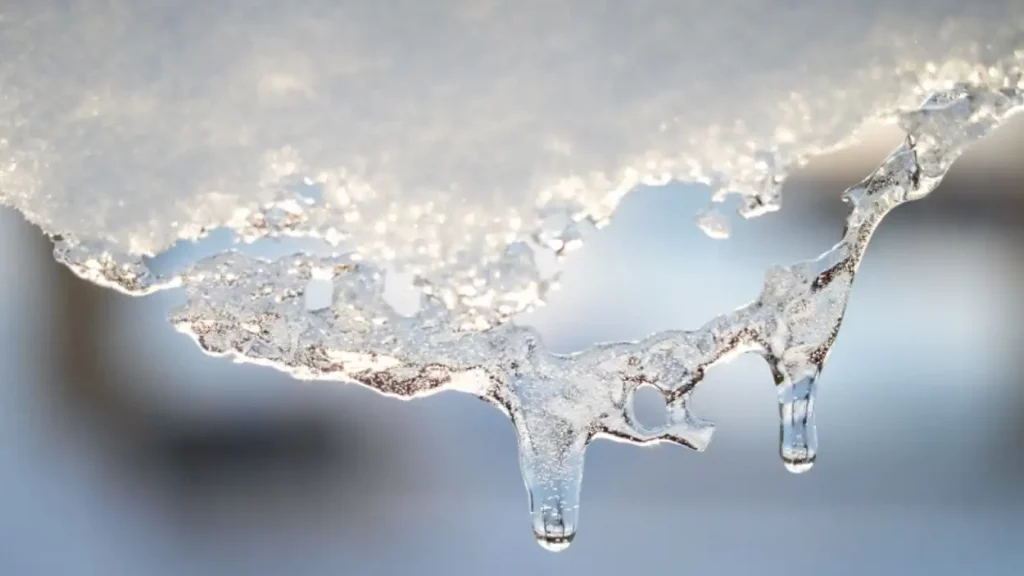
[675, 272]
[274, 248]
[401, 293]
[653, 258]
[319, 291]
[185, 253]
[649, 407]
[546, 260]
[310, 191]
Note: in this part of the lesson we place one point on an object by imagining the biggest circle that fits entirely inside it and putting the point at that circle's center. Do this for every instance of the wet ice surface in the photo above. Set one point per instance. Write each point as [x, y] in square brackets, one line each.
[448, 175]
[254, 310]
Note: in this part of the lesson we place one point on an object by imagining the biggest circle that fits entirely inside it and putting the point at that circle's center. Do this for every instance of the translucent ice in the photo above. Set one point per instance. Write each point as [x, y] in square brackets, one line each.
[464, 146]
[253, 310]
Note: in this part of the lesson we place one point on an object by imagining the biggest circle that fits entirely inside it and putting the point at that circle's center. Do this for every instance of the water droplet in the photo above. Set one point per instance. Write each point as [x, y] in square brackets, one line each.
[798, 467]
[555, 536]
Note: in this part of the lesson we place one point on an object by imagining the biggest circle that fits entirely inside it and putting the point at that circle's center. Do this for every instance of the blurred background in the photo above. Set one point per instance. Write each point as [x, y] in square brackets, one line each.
[125, 450]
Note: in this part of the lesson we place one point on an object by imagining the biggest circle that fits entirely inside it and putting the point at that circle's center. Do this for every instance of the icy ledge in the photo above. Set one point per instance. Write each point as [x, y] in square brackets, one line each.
[456, 140]
[255, 311]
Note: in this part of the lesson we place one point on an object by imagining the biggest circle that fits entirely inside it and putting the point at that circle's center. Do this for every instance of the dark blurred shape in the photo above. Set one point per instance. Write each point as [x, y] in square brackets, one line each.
[234, 453]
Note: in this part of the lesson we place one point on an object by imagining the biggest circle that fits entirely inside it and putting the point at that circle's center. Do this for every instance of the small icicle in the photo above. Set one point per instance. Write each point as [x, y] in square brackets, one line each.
[552, 467]
[798, 437]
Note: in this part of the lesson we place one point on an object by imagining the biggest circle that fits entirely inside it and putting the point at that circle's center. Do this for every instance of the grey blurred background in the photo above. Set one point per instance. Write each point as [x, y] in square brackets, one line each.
[125, 450]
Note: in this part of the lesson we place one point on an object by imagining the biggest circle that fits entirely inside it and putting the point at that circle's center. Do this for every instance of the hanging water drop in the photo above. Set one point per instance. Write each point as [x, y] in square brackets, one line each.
[555, 537]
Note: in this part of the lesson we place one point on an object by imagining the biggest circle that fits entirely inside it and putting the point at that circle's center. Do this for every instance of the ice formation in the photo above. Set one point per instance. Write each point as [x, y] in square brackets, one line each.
[460, 142]
[253, 310]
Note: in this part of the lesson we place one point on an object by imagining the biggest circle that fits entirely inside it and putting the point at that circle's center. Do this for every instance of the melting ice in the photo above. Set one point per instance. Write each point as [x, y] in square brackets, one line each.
[255, 310]
[442, 151]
